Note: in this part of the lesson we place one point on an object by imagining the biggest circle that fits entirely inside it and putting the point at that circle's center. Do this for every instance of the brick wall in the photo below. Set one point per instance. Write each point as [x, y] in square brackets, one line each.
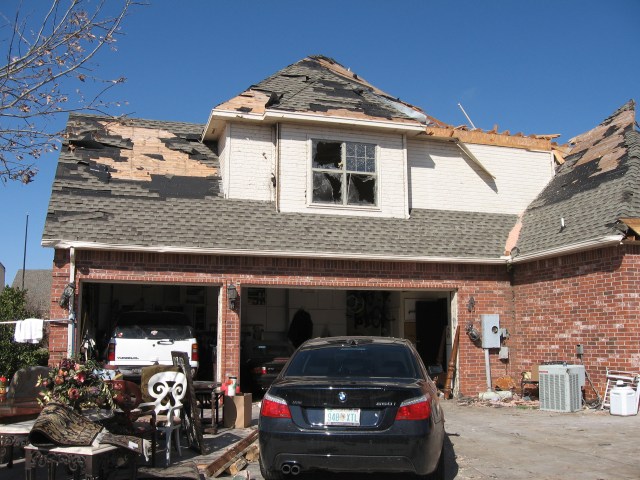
[58, 331]
[488, 284]
[591, 298]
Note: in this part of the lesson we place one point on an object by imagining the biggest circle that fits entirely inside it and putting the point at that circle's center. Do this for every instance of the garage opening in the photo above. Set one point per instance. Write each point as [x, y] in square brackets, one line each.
[102, 304]
[269, 314]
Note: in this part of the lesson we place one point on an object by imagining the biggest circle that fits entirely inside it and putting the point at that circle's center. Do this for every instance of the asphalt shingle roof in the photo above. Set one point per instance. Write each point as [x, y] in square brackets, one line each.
[595, 186]
[93, 201]
[318, 84]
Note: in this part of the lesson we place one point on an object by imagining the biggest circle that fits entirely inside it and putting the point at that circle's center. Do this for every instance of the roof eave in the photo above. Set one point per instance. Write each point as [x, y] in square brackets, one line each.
[83, 245]
[218, 118]
[592, 244]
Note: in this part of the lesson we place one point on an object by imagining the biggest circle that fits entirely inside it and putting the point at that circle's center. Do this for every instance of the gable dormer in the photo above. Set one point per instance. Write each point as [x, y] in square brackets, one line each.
[317, 138]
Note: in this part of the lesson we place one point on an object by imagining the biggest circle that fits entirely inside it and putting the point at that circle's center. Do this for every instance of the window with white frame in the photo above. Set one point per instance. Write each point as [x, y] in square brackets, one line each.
[344, 173]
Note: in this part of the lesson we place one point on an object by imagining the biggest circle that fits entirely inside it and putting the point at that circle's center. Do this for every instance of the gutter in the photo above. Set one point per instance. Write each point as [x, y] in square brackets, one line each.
[67, 244]
[279, 115]
[592, 244]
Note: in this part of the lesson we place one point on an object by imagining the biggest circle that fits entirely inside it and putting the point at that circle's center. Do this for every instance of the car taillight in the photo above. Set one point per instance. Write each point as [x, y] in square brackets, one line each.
[414, 409]
[111, 355]
[195, 357]
[274, 407]
[260, 370]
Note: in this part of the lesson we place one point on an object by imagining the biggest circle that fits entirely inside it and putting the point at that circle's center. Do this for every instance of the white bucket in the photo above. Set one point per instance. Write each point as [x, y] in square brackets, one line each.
[623, 400]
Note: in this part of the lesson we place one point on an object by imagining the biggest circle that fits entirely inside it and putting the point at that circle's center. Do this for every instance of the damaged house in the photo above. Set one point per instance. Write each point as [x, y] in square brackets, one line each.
[313, 190]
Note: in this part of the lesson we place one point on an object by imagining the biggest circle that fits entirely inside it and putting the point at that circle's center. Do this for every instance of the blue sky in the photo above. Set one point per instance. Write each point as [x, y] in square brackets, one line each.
[544, 66]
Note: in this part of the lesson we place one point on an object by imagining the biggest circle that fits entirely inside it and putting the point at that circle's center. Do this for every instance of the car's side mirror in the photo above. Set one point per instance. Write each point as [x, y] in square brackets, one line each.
[434, 370]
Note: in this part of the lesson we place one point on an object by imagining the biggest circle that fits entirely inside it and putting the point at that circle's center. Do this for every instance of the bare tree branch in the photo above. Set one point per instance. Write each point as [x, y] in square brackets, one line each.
[45, 56]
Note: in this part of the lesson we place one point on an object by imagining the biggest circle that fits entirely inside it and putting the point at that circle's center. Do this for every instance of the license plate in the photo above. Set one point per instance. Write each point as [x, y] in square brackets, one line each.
[334, 416]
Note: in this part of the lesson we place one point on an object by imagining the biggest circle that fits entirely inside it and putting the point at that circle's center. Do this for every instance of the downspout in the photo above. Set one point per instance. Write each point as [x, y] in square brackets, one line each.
[71, 329]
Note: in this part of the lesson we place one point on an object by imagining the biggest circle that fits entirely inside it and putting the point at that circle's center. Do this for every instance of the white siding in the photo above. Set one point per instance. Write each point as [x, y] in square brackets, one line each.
[295, 171]
[442, 177]
[251, 162]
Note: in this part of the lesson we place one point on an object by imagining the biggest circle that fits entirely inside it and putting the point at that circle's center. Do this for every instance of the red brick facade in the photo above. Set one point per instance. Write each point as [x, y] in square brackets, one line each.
[588, 298]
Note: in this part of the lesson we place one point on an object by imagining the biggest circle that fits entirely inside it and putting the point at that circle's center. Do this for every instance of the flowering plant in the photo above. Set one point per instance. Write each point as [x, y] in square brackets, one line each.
[76, 384]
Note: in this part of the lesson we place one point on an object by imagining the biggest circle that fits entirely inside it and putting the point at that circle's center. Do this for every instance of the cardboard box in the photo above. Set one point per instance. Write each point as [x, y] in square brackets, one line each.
[236, 411]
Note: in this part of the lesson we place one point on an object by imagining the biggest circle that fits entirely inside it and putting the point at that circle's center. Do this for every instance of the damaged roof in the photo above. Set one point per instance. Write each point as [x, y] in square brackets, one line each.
[593, 189]
[150, 185]
[319, 88]
[320, 85]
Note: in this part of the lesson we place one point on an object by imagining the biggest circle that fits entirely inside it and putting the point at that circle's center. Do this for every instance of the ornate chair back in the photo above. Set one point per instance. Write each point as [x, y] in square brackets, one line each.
[167, 389]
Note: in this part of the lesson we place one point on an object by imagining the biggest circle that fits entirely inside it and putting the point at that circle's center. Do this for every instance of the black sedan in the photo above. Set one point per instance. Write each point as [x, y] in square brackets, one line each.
[352, 404]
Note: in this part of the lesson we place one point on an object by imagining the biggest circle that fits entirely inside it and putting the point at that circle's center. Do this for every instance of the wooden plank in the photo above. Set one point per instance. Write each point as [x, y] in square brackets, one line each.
[237, 466]
[223, 462]
[253, 453]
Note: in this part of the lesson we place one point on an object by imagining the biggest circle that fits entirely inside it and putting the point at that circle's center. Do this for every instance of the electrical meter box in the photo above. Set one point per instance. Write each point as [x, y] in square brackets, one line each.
[490, 331]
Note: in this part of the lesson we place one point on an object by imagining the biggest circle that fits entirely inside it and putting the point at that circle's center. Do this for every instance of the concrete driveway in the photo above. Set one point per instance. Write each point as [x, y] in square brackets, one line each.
[487, 441]
[495, 442]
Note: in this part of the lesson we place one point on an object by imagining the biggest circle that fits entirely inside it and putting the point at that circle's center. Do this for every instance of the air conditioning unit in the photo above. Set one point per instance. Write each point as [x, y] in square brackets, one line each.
[560, 387]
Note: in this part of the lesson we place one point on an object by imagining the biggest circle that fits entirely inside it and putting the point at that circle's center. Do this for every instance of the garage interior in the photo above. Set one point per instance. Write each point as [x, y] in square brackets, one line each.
[424, 317]
[102, 303]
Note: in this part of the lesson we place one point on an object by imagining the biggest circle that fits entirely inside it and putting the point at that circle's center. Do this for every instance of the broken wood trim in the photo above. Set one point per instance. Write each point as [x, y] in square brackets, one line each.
[473, 158]
[480, 137]
[228, 458]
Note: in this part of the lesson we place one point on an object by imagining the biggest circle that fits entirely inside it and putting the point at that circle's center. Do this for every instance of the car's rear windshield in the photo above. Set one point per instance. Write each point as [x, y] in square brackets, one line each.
[142, 331]
[371, 360]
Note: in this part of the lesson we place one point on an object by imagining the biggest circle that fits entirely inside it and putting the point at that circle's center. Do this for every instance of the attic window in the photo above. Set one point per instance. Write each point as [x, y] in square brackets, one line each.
[344, 173]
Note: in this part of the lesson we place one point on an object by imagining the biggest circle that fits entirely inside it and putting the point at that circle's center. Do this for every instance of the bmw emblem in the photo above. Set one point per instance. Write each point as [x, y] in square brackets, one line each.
[342, 397]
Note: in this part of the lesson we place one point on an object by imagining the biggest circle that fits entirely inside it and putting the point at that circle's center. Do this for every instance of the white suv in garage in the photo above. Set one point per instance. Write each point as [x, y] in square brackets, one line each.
[141, 339]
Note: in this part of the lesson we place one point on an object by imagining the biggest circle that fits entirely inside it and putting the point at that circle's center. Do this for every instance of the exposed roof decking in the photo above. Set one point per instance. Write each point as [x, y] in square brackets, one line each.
[168, 212]
[595, 187]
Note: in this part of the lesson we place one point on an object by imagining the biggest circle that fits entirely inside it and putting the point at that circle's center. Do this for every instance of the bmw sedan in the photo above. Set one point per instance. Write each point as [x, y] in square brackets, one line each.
[352, 404]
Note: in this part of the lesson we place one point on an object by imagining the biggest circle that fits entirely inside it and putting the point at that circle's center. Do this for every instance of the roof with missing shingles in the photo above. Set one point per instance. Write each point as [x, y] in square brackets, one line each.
[320, 85]
[597, 185]
[99, 197]
[153, 184]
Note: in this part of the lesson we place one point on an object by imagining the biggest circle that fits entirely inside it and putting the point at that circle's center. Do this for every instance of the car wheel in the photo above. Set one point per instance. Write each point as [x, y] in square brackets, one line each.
[438, 473]
[268, 474]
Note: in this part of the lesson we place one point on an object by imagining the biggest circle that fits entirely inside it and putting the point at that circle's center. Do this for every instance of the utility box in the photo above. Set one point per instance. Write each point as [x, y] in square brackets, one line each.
[236, 411]
[490, 331]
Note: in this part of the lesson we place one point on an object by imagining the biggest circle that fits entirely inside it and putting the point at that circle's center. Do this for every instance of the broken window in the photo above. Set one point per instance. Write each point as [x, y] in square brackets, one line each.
[344, 173]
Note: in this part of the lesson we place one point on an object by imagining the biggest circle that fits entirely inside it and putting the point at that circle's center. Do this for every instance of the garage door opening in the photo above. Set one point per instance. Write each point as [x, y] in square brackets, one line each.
[101, 304]
[268, 313]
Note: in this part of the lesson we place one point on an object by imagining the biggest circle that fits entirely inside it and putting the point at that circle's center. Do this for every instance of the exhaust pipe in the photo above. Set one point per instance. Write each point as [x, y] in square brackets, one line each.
[290, 468]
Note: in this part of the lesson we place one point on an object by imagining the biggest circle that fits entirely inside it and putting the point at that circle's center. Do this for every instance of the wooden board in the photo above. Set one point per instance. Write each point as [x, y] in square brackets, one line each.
[228, 458]
[192, 424]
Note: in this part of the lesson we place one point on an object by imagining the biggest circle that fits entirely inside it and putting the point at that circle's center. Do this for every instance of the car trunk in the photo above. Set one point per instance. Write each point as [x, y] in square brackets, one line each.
[343, 404]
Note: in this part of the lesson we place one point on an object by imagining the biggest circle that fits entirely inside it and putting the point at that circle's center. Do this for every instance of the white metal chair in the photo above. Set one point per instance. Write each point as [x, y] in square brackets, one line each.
[167, 389]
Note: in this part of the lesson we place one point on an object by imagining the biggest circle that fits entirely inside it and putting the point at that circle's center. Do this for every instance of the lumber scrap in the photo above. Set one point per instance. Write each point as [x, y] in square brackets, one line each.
[237, 466]
[229, 457]
[253, 453]
[448, 383]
